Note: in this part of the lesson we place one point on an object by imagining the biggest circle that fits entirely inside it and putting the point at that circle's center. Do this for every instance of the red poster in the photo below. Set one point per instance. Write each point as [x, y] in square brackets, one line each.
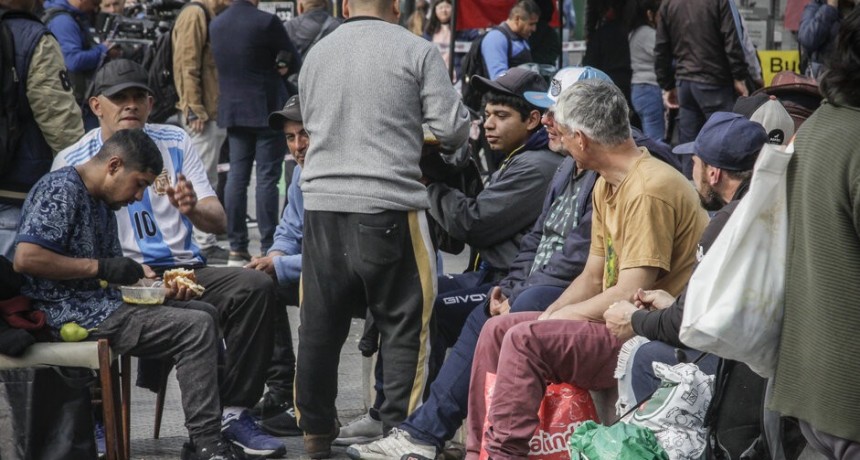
[480, 14]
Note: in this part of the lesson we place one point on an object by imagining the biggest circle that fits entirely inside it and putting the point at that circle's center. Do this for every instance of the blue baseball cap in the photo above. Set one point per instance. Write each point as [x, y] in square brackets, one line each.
[727, 141]
[560, 81]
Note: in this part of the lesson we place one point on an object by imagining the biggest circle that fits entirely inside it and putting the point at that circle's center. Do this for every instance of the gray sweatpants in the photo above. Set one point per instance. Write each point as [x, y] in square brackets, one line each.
[188, 336]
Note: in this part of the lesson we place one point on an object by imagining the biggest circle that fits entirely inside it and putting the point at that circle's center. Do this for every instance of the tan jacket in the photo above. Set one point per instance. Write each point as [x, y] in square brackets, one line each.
[194, 70]
[53, 104]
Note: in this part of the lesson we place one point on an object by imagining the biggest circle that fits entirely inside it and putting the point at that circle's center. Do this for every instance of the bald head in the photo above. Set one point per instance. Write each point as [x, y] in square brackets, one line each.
[388, 10]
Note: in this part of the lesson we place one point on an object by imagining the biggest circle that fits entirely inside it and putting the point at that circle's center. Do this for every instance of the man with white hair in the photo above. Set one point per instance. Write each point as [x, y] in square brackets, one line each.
[645, 227]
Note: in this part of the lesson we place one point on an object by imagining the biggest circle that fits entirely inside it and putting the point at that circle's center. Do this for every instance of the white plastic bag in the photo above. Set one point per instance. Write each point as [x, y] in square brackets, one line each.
[676, 412]
[735, 297]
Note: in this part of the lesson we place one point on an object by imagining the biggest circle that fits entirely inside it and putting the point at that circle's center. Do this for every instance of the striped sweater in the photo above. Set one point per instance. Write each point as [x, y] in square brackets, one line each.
[819, 356]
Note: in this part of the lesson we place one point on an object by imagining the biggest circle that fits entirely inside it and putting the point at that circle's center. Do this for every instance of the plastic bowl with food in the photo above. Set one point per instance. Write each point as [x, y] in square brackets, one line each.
[145, 293]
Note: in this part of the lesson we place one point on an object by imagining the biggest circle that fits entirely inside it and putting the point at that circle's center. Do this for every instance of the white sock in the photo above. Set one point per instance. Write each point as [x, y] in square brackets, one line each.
[231, 413]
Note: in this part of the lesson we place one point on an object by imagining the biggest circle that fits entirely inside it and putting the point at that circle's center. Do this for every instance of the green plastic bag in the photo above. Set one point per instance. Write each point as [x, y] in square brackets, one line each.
[620, 441]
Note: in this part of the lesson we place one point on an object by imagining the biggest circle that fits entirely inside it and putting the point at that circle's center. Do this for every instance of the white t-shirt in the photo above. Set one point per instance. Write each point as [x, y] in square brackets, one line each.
[152, 231]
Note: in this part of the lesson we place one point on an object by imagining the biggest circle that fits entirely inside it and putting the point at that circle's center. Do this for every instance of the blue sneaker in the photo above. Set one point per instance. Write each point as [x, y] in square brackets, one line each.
[100, 439]
[244, 432]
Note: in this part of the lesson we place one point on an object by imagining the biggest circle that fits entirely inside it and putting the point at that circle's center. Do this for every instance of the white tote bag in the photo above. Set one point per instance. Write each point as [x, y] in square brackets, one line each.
[735, 297]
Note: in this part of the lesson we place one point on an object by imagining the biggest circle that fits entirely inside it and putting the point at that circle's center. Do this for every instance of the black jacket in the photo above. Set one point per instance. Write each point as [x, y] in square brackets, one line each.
[700, 35]
[305, 28]
[665, 325]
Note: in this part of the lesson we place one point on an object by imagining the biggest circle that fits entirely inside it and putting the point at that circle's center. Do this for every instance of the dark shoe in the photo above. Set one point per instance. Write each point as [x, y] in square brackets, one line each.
[319, 445]
[244, 432]
[219, 450]
[269, 403]
[215, 255]
[282, 423]
[238, 259]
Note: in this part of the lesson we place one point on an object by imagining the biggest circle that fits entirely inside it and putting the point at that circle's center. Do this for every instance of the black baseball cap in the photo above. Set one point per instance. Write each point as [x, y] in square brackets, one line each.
[292, 111]
[514, 82]
[118, 75]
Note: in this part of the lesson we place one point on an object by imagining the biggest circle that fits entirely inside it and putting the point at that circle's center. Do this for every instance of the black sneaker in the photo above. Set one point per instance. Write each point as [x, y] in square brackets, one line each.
[276, 416]
[219, 450]
[215, 255]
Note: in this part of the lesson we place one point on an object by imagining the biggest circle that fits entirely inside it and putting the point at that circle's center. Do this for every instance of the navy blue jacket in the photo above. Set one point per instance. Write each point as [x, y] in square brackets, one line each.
[34, 156]
[246, 42]
[79, 50]
[819, 27]
[565, 265]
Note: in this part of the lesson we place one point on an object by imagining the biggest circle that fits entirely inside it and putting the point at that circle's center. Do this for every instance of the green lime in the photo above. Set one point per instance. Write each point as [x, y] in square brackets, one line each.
[72, 332]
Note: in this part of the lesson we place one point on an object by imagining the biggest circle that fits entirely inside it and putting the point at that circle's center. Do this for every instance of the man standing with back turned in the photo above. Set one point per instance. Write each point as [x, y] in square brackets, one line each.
[364, 219]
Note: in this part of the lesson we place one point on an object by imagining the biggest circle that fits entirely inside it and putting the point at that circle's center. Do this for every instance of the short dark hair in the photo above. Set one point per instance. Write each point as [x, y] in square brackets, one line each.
[517, 103]
[137, 150]
[524, 9]
[840, 84]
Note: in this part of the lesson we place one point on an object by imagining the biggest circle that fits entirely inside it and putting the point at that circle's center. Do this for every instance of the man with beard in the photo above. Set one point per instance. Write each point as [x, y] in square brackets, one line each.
[721, 175]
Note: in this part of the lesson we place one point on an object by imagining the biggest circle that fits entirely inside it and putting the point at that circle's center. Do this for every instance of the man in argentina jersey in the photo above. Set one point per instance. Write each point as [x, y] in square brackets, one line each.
[157, 231]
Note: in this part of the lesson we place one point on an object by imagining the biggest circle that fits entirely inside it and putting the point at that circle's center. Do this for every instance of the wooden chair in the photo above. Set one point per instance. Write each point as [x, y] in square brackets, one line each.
[114, 375]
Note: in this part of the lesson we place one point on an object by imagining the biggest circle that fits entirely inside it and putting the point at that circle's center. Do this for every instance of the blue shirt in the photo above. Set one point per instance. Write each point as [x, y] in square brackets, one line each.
[60, 215]
[494, 49]
[288, 235]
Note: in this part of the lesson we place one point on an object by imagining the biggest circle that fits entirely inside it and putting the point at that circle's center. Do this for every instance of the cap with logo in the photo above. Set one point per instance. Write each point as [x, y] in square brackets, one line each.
[560, 81]
[770, 113]
[292, 111]
[118, 75]
[727, 141]
[514, 82]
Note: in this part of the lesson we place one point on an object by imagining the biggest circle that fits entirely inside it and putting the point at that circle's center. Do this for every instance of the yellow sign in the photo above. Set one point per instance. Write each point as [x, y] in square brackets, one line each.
[774, 62]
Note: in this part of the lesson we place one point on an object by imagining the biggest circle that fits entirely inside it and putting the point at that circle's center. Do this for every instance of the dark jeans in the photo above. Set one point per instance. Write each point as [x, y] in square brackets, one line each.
[246, 301]
[647, 101]
[697, 102]
[282, 370]
[443, 412]
[642, 374]
[266, 147]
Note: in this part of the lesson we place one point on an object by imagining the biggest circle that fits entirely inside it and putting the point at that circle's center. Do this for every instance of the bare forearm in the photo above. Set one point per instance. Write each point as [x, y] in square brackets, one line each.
[34, 260]
[582, 288]
[593, 308]
[208, 216]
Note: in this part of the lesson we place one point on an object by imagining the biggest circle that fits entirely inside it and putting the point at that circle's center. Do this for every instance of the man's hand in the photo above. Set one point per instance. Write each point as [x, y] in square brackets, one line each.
[498, 302]
[265, 264]
[650, 300]
[196, 125]
[179, 293]
[670, 99]
[741, 88]
[182, 196]
[617, 318]
[148, 272]
[120, 270]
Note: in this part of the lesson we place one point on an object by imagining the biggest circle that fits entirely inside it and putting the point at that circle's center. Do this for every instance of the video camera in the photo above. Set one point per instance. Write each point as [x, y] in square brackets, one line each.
[137, 30]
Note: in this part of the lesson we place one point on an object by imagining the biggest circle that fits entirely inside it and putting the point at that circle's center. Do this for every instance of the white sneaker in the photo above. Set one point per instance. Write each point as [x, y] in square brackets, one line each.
[362, 430]
[395, 445]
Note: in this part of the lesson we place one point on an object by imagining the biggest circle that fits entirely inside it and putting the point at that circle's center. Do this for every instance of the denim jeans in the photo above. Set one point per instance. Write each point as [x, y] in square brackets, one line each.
[438, 418]
[648, 103]
[9, 218]
[643, 379]
[267, 148]
[697, 102]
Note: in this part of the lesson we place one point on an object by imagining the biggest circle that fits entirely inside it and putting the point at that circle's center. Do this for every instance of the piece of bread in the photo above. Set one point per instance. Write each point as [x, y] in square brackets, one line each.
[181, 277]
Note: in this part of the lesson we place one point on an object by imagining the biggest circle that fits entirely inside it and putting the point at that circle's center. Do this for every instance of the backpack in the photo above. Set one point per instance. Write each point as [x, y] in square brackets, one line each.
[739, 427]
[159, 65]
[10, 122]
[325, 29]
[473, 64]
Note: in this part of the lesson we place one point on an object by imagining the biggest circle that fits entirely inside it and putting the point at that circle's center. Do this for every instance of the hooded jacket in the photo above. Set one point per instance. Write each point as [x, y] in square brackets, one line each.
[495, 221]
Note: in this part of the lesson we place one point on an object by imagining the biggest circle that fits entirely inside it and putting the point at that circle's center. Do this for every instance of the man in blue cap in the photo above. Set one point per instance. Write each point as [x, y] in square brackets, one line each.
[721, 175]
